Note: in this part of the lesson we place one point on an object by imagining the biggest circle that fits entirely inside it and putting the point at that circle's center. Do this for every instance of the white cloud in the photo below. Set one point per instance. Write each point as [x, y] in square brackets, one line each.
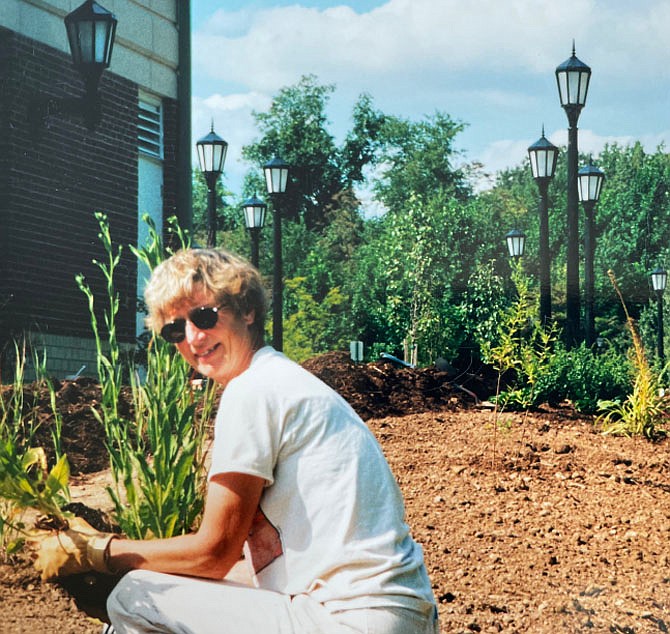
[268, 48]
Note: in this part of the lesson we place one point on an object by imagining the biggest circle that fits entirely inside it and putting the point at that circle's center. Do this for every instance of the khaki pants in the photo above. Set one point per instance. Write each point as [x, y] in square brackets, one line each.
[149, 602]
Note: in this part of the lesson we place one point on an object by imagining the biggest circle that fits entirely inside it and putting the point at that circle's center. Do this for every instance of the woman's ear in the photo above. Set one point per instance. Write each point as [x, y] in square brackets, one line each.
[250, 317]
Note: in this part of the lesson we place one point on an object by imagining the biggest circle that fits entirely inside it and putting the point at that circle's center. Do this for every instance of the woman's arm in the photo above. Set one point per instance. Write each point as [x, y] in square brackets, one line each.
[232, 500]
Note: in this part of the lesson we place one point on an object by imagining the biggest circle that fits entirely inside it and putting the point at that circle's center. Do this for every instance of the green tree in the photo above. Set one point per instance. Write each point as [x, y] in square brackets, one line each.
[414, 263]
[405, 277]
[295, 129]
[632, 218]
[419, 160]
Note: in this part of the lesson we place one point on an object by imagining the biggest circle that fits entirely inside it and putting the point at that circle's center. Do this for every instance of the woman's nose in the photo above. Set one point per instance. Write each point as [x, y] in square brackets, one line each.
[192, 332]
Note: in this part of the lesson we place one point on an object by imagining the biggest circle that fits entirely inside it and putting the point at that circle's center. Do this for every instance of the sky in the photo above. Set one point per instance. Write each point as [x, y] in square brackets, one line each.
[489, 64]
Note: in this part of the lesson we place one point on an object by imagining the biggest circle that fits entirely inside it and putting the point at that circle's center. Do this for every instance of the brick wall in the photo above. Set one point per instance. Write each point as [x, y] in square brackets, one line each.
[53, 176]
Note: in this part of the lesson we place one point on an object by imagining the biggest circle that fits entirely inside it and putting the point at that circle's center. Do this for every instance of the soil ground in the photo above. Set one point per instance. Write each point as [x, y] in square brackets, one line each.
[530, 522]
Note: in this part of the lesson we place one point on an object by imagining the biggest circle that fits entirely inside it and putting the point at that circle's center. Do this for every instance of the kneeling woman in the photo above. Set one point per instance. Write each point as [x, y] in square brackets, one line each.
[297, 483]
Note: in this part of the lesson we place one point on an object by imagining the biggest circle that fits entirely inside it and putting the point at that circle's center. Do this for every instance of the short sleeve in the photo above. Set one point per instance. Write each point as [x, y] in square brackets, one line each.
[247, 432]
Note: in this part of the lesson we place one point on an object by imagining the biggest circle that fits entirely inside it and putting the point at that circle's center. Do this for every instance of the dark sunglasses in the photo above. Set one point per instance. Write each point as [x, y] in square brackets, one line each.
[204, 318]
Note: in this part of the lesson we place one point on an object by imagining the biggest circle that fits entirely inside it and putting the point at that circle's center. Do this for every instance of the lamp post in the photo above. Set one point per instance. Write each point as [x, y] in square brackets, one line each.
[590, 182]
[572, 77]
[659, 280]
[254, 218]
[276, 180]
[90, 31]
[543, 156]
[211, 155]
[516, 242]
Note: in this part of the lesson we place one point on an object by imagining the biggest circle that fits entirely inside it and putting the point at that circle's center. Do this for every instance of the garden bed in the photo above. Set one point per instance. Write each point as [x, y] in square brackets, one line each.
[529, 522]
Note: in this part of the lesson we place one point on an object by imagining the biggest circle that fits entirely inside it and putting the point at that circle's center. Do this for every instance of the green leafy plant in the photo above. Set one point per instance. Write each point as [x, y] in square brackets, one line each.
[165, 483]
[26, 480]
[108, 350]
[157, 455]
[646, 408]
[521, 349]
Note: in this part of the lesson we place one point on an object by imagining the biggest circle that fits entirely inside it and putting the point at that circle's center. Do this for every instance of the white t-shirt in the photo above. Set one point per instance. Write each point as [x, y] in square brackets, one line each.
[331, 517]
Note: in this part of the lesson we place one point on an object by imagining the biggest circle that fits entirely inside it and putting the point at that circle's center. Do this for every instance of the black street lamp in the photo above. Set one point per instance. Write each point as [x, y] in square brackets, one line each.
[572, 77]
[516, 242]
[543, 156]
[254, 218]
[211, 155]
[276, 180]
[90, 31]
[590, 185]
[659, 280]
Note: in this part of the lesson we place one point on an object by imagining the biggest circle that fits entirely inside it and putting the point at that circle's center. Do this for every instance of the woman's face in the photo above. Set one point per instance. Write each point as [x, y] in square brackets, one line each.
[220, 353]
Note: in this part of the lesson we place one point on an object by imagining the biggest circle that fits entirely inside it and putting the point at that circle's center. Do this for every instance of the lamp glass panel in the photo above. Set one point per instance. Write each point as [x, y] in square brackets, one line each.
[583, 87]
[85, 42]
[573, 87]
[562, 88]
[254, 216]
[542, 163]
[202, 157]
[218, 156]
[583, 184]
[101, 31]
[276, 180]
[659, 280]
[534, 160]
[595, 183]
[515, 245]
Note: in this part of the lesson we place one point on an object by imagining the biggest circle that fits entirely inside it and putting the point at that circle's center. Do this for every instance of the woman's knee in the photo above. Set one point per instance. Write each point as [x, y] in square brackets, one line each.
[129, 596]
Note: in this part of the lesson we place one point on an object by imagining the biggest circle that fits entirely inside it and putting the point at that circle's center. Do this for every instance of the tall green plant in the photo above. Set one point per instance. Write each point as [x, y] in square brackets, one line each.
[165, 484]
[156, 457]
[310, 325]
[522, 347]
[645, 408]
[108, 350]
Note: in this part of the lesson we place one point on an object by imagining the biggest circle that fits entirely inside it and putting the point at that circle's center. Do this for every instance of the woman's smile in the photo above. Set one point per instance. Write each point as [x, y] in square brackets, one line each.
[221, 352]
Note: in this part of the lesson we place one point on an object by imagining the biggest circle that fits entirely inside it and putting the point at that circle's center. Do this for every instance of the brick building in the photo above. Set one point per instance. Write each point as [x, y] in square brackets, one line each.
[55, 171]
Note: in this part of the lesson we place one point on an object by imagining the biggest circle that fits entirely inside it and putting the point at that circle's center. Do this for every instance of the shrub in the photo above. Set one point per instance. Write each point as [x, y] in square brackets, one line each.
[583, 377]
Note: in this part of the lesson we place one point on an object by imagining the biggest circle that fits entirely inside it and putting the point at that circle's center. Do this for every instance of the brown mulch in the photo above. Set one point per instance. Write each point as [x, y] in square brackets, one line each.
[381, 388]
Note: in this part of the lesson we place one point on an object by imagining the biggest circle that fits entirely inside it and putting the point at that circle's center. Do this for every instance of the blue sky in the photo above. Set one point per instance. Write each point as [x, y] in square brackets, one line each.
[487, 63]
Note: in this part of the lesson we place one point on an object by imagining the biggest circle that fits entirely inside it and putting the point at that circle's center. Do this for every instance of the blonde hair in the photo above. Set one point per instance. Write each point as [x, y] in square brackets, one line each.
[234, 283]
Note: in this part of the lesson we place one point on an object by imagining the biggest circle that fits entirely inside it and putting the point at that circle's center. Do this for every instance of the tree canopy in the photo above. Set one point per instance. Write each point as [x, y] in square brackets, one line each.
[418, 274]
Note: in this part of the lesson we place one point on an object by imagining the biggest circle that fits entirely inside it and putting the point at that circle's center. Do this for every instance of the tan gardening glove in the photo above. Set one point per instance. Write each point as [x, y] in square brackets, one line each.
[78, 549]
